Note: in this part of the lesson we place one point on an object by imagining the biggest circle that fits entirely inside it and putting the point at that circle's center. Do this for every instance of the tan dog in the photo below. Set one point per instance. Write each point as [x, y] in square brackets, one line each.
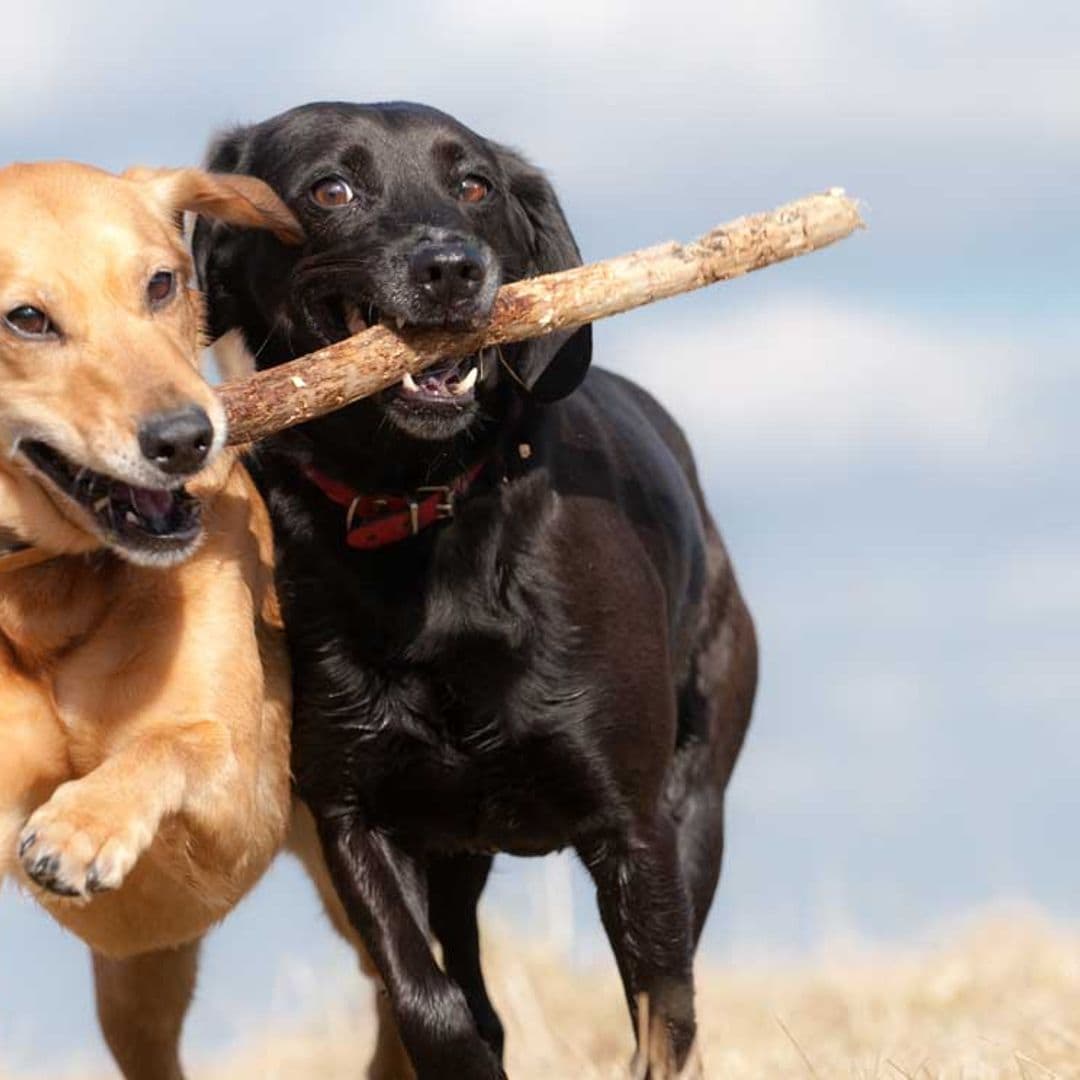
[144, 694]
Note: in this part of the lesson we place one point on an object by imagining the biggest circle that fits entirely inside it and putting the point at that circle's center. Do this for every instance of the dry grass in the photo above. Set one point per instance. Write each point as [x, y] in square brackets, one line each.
[1002, 1000]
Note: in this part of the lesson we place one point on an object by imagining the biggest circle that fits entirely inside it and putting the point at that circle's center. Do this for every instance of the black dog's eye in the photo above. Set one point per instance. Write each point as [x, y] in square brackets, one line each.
[160, 288]
[30, 322]
[332, 192]
[472, 189]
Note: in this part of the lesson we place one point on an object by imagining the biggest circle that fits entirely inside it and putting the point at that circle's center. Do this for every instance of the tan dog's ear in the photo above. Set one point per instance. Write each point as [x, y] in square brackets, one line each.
[232, 198]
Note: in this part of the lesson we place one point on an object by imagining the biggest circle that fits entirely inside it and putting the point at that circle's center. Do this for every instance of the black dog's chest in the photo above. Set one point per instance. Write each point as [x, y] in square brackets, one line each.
[448, 711]
[444, 771]
[486, 791]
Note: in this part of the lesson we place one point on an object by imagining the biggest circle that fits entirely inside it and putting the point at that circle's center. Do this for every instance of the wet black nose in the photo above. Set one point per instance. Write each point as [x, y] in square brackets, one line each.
[177, 441]
[448, 272]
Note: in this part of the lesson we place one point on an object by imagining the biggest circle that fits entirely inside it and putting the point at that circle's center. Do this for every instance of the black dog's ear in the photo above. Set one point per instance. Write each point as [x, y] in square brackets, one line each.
[553, 366]
[215, 247]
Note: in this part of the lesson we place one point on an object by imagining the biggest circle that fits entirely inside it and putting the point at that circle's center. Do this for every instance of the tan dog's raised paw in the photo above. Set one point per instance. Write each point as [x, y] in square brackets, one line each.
[73, 849]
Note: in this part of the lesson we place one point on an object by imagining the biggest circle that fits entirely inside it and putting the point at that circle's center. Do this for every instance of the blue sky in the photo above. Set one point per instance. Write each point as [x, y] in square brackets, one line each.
[886, 430]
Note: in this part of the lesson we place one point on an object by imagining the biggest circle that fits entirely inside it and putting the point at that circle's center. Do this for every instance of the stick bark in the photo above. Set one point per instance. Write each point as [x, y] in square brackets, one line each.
[348, 370]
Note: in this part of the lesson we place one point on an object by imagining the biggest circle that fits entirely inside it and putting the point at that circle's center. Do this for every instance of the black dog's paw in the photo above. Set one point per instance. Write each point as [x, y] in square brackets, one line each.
[447, 1043]
[472, 1062]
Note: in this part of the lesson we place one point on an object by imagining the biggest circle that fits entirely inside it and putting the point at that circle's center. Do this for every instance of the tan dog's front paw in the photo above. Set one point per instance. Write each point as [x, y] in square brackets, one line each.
[72, 848]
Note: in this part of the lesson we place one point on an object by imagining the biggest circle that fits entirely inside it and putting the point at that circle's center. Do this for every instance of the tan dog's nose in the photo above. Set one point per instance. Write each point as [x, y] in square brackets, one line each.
[178, 441]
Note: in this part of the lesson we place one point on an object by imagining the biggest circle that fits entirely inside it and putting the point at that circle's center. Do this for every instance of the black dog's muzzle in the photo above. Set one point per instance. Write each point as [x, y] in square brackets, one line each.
[444, 278]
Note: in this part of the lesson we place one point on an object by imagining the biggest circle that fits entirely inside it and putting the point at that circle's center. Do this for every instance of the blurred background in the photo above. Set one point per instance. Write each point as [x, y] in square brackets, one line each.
[886, 430]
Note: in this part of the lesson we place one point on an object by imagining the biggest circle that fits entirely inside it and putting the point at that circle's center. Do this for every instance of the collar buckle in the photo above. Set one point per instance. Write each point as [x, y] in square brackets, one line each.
[446, 505]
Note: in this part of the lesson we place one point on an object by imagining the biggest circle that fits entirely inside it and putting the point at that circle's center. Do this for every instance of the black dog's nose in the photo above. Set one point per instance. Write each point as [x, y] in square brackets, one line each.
[177, 441]
[449, 271]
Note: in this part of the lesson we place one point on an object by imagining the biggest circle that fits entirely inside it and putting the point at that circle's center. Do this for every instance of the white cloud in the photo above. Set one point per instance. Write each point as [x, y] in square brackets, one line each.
[882, 705]
[908, 99]
[620, 68]
[1038, 582]
[37, 55]
[809, 381]
[923, 64]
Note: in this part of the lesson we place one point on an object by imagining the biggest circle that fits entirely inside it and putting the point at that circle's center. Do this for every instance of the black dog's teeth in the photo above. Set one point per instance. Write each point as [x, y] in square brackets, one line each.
[371, 314]
[452, 382]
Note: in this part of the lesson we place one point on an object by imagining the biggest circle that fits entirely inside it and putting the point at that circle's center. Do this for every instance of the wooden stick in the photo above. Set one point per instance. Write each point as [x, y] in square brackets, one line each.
[341, 373]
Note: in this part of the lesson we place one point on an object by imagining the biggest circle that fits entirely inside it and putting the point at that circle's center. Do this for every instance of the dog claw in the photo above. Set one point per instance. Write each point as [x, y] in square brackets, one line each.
[45, 868]
[93, 880]
[58, 888]
[45, 872]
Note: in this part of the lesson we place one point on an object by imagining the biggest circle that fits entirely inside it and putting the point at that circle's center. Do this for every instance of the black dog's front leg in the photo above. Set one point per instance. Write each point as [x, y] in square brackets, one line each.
[454, 886]
[645, 912]
[433, 1017]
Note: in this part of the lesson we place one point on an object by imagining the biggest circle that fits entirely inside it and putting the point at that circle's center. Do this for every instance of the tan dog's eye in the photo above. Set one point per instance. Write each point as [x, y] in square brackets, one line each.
[30, 322]
[473, 189]
[160, 288]
[332, 192]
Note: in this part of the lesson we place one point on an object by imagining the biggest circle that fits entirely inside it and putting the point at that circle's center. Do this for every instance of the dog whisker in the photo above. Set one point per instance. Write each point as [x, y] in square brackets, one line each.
[266, 341]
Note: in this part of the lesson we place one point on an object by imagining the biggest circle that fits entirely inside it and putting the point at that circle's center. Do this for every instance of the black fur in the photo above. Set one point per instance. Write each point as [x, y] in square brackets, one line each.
[568, 662]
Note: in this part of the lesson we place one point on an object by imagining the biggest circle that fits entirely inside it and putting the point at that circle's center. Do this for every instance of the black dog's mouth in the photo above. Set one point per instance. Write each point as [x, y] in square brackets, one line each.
[449, 384]
[148, 520]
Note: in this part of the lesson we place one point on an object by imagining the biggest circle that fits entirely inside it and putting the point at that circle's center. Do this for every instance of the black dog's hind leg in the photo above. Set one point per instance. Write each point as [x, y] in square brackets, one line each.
[375, 881]
[454, 887]
[699, 817]
[644, 908]
[714, 713]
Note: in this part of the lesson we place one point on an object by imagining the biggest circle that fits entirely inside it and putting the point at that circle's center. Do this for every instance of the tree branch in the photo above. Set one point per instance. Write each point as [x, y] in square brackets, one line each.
[339, 374]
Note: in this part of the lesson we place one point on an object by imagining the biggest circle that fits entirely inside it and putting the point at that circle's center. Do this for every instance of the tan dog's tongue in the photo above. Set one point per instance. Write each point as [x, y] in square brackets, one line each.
[152, 504]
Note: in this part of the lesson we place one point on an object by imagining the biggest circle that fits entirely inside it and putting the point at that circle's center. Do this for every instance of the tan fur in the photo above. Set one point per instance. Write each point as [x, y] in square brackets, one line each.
[143, 710]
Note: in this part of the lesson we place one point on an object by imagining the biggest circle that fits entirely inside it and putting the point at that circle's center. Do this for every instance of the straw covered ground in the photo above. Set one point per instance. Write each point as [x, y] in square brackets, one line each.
[1000, 999]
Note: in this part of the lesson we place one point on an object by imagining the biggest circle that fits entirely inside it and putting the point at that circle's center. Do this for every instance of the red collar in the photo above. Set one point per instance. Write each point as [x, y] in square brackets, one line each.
[373, 521]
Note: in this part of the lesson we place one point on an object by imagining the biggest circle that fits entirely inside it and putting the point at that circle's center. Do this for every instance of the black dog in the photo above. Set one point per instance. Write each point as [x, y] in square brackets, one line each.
[513, 623]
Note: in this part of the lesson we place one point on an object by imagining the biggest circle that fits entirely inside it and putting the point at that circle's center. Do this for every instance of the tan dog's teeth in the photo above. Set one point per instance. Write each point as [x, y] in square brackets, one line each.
[101, 504]
[466, 384]
[409, 383]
